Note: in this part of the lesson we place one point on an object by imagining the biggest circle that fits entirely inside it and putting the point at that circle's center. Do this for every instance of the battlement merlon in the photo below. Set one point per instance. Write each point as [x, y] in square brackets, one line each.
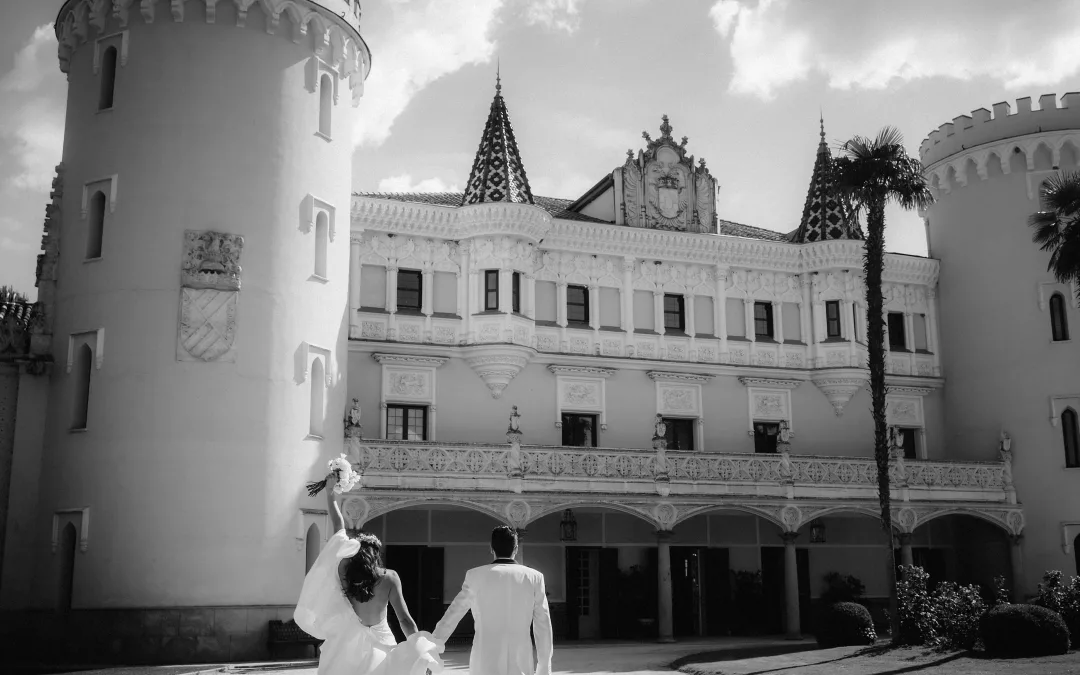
[966, 132]
[332, 26]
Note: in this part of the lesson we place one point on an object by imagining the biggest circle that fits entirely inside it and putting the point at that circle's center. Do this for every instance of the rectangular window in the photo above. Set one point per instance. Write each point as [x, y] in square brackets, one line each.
[409, 290]
[896, 332]
[579, 431]
[515, 288]
[765, 434]
[910, 449]
[832, 318]
[491, 290]
[406, 423]
[674, 313]
[577, 304]
[763, 320]
[680, 433]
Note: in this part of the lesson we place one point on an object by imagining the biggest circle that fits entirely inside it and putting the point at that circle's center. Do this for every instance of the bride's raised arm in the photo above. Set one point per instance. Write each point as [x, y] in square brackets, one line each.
[332, 506]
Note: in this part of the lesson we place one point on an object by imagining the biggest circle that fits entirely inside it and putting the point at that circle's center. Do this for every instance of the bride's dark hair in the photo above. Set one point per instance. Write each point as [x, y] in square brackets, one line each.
[364, 569]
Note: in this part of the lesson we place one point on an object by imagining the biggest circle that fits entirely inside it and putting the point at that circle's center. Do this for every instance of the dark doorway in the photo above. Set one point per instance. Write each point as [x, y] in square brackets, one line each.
[716, 581]
[421, 572]
[591, 579]
[932, 560]
[772, 579]
[686, 576]
[66, 589]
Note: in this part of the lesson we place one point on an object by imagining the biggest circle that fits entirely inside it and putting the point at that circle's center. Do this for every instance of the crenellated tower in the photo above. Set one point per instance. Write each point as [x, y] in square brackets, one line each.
[196, 310]
[1006, 368]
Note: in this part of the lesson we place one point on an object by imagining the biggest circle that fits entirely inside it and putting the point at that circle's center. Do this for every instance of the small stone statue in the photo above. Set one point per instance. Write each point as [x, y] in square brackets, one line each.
[1005, 453]
[587, 433]
[353, 427]
[896, 453]
[515, 422]
[784, 435]
[659, 432]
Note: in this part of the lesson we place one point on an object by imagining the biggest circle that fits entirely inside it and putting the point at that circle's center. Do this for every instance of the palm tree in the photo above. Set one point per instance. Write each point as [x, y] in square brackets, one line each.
[872, 173]
[1058, 227]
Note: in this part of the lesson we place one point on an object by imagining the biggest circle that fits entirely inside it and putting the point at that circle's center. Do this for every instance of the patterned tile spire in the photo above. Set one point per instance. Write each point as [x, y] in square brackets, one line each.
[497, 173]
[826, 215]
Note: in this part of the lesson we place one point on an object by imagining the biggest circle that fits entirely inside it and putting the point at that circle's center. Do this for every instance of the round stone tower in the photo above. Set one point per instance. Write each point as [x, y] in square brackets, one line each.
[197, 306]
[1004, 369]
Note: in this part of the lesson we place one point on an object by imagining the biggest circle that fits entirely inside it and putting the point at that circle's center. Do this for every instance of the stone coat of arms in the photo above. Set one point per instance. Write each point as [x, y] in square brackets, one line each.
[210, 286]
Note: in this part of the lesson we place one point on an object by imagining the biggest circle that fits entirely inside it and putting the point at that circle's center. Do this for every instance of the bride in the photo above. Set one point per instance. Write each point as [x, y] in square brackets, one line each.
[343, 602]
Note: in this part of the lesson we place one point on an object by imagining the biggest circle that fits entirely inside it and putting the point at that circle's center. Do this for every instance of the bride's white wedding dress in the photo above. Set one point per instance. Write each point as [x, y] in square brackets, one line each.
[350, 647]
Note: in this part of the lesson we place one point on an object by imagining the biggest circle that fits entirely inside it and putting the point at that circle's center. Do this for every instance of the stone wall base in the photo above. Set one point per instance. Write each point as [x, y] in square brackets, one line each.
[144, 636]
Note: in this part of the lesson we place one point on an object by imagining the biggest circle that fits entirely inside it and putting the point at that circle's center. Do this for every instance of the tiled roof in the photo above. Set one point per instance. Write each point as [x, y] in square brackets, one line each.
[498, 174]
[559, 208]
[824, 214]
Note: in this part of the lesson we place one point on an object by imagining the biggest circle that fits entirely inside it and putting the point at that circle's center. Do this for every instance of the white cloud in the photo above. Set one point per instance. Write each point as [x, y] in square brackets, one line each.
[404, 183]
[423, 41]
[32, 112]
[560, 15]
[874, 45]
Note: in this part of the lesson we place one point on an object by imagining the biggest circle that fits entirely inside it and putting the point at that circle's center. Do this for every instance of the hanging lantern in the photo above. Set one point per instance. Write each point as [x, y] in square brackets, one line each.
[568, 526]
[817, 532]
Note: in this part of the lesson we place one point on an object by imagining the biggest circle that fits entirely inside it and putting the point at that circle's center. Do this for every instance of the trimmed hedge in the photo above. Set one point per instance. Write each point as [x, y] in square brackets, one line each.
[845, 623]
[1024, 630]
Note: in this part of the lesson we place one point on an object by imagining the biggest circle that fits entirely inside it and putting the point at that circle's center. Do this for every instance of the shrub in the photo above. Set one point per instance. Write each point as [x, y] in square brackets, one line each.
[841, 588]
[1024, 630]
[1061, 598]
[845, 623]
[947, 618]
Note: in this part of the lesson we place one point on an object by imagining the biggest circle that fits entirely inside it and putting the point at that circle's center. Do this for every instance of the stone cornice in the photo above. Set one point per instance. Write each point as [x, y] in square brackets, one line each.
[589, 371]
[771, 383]
[909, 391]
[409, 360]
[602, 239]
[669, 376]
[332, 21]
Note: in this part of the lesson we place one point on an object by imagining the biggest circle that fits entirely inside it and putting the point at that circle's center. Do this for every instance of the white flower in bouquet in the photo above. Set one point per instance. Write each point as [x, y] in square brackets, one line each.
[347, 478]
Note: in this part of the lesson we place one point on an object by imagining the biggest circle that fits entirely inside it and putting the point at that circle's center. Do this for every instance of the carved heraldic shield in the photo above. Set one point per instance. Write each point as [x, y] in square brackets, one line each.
[210, 286]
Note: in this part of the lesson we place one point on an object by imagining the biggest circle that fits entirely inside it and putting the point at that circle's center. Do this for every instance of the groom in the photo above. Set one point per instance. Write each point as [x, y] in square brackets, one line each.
[506, 599]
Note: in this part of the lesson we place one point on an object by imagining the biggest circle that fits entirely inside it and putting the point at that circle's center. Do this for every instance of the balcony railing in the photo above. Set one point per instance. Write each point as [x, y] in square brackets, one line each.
[615, 470]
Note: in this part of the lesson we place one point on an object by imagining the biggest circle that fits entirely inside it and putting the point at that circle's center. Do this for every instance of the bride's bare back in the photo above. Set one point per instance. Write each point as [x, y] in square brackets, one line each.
[387, 590]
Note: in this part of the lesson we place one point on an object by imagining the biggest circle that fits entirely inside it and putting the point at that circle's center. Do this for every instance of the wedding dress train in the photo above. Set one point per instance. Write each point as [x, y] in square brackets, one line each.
[349, 647]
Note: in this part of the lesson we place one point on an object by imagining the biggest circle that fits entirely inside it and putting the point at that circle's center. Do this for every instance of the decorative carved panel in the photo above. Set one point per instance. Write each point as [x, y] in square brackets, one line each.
[210, 285]
[683, 400]
[905, 411]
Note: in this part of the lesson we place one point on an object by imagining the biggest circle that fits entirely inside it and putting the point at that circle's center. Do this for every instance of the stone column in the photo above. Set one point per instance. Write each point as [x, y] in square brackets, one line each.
[463, 291]
[805, 328]
[627, 295]
[906, 558]
[720, 310]
[354, 282]
[560, 303]
[658, 311]
[933, 339]
[665, 620]
[1016, 558]
[594, 307]
[472, 301]
[506, 291]
[791, 586]
[778, 325]
[847, 312]
[530, 297]
[391, 302]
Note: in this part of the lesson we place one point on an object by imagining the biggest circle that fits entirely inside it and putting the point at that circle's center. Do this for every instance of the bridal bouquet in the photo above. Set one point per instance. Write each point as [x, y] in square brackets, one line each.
[346, 477]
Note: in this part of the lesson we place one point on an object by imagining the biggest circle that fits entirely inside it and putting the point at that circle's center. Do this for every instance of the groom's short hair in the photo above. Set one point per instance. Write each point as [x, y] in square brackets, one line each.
[503, 541]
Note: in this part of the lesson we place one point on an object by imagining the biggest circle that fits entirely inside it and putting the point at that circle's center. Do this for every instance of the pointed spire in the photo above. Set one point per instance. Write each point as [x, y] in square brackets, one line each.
[826, 215]
[498, 174]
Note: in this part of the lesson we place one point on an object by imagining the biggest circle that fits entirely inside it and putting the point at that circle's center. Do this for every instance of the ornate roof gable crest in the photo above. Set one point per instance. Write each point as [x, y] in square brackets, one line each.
[662, 189]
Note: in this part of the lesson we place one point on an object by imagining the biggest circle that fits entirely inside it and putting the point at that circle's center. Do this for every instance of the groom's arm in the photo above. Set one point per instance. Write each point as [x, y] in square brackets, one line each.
[541, 624]
[461, 604]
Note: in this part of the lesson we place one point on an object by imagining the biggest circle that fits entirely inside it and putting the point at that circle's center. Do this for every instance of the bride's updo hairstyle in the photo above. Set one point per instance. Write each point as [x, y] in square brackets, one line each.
[364, 569]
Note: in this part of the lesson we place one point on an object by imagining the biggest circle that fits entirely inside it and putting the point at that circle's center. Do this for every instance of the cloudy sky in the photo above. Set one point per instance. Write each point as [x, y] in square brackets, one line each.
[744, 79]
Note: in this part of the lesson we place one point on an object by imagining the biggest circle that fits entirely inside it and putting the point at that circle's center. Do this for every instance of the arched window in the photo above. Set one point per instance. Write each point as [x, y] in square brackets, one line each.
[1071, 436]
[108, 78]
[84, 363]
[1059, 325]
[322, 234]
[95, 232]
[313, 542]
[66, 574]
[326, 104]
[318, 395]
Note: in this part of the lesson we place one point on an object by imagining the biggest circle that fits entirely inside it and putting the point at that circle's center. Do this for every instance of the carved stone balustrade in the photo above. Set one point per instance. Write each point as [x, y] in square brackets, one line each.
[614, 471]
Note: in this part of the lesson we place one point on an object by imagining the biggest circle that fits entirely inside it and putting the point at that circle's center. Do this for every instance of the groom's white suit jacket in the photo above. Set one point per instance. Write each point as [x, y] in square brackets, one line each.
[506, 599]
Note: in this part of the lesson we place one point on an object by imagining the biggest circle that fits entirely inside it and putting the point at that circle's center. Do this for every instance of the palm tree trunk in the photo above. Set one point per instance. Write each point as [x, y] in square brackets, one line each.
[875, 342]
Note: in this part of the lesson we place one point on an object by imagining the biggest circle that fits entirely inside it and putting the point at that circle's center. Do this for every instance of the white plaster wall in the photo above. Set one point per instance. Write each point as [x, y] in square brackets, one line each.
[1000, 365]
[194, 471]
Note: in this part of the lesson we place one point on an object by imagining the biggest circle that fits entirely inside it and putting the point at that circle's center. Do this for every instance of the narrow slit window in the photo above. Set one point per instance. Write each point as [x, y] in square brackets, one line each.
[84, 364]
[515, 288]
[577, 304]
[491, 290]
[326, 104]
[897, 339]
[1059, 326]
[318, 397]
[95, 230]
[1071, 437]
[322, 238]
[674, 313]
[409, 290]
[108, 78]
[763, 320]
[832, 318]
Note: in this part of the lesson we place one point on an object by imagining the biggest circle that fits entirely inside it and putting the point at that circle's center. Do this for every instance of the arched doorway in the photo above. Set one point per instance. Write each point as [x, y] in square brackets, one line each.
[312, 546]
[66, 559]
[601, 566]
[431, 546]
[963, 548]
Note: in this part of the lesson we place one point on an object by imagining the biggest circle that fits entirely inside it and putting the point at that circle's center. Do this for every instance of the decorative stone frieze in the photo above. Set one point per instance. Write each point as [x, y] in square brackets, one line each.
[669, 376]
[417, 360]
[770, 383]
[581, 371]
[497, 365]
